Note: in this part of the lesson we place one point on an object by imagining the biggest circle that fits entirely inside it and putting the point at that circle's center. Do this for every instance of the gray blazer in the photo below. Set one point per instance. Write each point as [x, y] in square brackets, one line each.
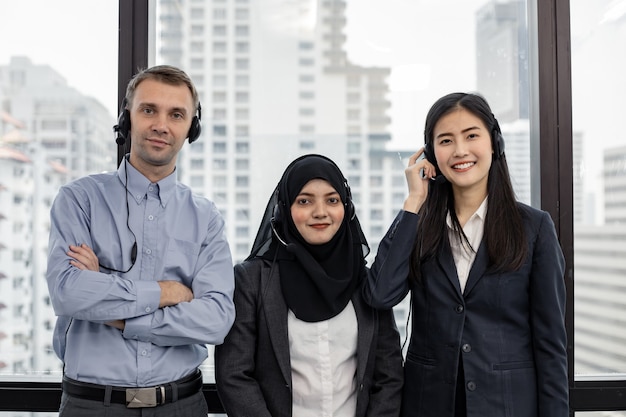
[252, 367]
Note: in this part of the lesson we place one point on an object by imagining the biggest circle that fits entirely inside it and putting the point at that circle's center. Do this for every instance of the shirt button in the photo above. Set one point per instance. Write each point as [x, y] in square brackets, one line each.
[459, 308]
[467, 348]
[144, 353]
[147, 309]
[148, 251]
[471, 386]
[151, 217]
[150, 188]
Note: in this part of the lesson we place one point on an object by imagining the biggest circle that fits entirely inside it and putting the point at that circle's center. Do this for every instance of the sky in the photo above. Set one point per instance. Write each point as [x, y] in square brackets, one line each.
[58, 34]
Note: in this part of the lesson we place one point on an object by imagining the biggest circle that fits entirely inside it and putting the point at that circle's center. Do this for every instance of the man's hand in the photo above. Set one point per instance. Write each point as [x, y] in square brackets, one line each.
[84, 258]
[173, 292]
[119, 324]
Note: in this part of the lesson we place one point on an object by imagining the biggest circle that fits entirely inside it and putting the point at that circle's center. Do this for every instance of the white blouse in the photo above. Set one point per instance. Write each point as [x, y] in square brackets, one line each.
[323, 365]
[463, 255]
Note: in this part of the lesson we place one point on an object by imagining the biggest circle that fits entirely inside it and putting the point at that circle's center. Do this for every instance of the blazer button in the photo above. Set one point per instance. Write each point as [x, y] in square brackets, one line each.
[459, 308]
[467, 348]
[471, 386]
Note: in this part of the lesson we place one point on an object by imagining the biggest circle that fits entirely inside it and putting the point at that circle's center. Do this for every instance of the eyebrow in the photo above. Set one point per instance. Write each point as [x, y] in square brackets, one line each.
[462, 131]
[312, 195]
[171, 110]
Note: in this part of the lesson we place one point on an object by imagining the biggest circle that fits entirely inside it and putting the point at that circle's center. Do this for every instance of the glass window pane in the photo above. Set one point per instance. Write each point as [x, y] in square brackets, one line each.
[347, 79]
[598, 31]
[58, 95]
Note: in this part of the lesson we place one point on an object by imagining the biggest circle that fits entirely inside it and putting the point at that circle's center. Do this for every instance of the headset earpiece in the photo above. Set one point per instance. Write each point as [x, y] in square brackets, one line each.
[497, 140]
[276, 214]
[498, 145]
[350, 211]
[194, 130]
[429, 154]
[122, 127]
[196, 126]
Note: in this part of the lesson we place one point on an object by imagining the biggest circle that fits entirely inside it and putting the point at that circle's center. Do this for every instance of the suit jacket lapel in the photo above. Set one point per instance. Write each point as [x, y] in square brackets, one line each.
[276, 317]
[365, 334]
[446, 261]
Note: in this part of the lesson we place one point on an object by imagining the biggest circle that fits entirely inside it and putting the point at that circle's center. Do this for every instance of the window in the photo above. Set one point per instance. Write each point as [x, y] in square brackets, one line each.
[242, 147]
[242, 198]
[241, 30]
[219, 114]
[599, 181]
[241, 63]
[307, 78]
[219, 80]
[242, 47]
[219, 130]
[242, 164]
[219, 47]
[242, 114]
[242, 80]
[219, 30]
[398, 99]
[219, 164]
[219, 63]
[241, 130]
[219, 96]
[241, 14]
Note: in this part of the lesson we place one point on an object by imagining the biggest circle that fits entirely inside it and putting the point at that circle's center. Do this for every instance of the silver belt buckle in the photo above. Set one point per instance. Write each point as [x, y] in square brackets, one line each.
[143, 397]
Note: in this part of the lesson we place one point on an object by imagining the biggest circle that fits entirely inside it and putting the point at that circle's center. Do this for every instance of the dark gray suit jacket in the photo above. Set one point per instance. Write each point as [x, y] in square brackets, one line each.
[506, 328]
[252, 367]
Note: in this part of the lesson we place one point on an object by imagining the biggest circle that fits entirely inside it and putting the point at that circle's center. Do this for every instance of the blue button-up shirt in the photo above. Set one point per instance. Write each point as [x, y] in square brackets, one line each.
[180, 236]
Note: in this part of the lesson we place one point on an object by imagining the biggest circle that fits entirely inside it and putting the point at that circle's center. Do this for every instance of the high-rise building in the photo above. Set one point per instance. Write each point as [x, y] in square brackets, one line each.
[600, 289]
[502, 58]
[49, 134]
[275, 82]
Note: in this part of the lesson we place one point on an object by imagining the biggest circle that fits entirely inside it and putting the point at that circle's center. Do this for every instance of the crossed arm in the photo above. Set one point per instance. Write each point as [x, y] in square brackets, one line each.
[172, 292]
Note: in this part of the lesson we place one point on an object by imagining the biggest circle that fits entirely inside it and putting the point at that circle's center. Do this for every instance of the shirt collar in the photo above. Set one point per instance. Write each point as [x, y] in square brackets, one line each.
[138, 185]
[480, 213]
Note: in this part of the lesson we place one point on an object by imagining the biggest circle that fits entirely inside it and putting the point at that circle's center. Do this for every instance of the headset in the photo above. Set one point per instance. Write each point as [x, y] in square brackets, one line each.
[497, 143]
[122, 128]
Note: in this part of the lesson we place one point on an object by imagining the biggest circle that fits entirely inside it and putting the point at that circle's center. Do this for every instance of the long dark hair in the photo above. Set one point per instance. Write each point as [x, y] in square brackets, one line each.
[504, 231]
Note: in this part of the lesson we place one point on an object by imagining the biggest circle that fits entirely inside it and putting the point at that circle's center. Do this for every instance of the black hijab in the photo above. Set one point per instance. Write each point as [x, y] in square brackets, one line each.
[317, 280]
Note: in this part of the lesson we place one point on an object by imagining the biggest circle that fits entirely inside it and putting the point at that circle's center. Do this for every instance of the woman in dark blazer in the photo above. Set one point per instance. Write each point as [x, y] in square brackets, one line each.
[304, 342]
[486, 276]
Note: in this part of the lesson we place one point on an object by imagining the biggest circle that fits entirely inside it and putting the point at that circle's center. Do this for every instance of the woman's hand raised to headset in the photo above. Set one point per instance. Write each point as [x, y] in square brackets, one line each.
[418, 184]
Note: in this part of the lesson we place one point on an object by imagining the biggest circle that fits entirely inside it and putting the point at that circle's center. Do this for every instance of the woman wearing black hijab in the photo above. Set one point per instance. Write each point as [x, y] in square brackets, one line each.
[304, 343]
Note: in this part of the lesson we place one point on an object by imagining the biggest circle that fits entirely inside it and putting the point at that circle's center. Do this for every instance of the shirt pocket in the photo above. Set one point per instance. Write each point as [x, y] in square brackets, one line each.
[180, 260]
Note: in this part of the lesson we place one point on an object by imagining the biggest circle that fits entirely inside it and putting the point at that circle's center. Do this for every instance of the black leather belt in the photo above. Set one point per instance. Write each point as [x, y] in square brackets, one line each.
[136, 397]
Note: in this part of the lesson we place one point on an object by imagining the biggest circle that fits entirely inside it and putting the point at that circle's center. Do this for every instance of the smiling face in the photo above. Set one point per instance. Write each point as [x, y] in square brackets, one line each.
[161, 115]
[317, 212]
[462, 147]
